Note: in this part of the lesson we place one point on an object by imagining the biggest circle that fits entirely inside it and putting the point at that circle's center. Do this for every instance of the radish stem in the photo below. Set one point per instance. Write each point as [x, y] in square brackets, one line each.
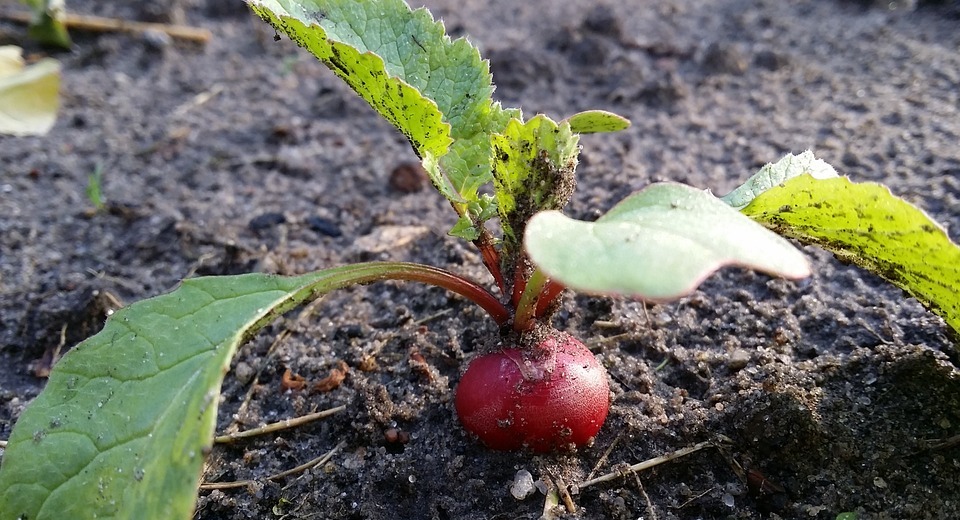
[549, 294]
[378, 271]
[527, 307]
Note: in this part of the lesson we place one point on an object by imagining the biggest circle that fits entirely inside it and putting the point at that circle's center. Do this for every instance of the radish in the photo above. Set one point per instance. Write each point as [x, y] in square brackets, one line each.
[551, 396]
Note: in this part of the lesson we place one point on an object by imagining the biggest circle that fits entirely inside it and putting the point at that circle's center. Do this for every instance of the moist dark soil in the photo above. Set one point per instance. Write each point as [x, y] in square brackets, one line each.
[246, 154]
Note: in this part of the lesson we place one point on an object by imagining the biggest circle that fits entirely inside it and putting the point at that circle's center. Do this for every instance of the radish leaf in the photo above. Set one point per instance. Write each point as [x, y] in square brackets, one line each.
[865, 224]
[29, 95]
[534, 166]
[435, 90]
[122, 427]
[657, 244]
[130, 412]
[597, 121]
[788, 167]
[47, 25]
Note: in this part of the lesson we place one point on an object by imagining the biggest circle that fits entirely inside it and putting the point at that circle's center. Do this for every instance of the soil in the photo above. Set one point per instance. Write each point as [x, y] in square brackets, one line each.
[245, 154]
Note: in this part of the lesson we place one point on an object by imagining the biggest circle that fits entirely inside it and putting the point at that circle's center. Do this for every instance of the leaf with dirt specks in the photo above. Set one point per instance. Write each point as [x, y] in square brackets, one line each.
[127, 416]
[657, 244]
[597, 121]
[435, 90]
[865, 224]
[533, 170]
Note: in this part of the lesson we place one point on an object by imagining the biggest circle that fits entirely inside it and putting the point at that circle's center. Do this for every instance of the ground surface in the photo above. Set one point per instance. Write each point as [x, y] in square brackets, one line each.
[246, 154]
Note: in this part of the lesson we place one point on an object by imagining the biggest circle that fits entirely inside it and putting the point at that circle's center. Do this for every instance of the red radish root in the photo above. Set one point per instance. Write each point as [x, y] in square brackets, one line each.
[553, 396]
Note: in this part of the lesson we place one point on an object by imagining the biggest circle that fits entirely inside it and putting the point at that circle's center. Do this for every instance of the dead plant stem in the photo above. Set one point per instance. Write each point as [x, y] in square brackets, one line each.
[279, 426]
[90, 23]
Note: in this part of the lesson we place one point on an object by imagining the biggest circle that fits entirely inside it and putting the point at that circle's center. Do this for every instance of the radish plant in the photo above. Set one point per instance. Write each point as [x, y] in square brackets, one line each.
[127, 415]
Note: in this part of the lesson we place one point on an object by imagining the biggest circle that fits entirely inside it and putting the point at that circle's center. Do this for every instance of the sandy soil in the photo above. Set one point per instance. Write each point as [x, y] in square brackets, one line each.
[246, 154]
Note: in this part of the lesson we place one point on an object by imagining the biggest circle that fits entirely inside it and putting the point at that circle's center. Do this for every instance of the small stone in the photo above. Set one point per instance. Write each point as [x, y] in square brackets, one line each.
[389, 238]
[349, 331]
[266, 221]
[294, 160]
[323, 226]
[739, 358]
[523, 485]
[770, 60]
[243, 372]
[541, 487]
[391, 435]
[408, 177]
[156, 39]
[395, 435]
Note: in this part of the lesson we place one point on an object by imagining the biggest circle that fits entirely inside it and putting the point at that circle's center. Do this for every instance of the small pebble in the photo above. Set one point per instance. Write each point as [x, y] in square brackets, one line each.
[394, 435]
[156, 40]
[243, 372]
[323, 226]
[728, 500]
[408, 177]
[770, 60]
[522, 485]
[349, 331]
[389, 238]
[739, 358]
[541, 487]
[266, 221]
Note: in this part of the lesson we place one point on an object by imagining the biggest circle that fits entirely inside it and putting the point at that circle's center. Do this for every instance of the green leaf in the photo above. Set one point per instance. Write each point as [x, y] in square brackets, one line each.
[28, 95]
[788, 167]
[95, 188]
[465, 229]
[657, 244]
[122, 427]
[597, 121]
[434, 90]
[863, 223]
[47, 25]
[533, 169]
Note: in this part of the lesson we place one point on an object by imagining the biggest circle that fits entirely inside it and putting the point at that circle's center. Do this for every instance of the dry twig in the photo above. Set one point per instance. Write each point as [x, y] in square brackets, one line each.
[647, 464]
[89, 23]
[279, 426]
[292, 471]
[949, 443]
[248, 397]
[565, 496]
[603, 458]
[651, 512]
